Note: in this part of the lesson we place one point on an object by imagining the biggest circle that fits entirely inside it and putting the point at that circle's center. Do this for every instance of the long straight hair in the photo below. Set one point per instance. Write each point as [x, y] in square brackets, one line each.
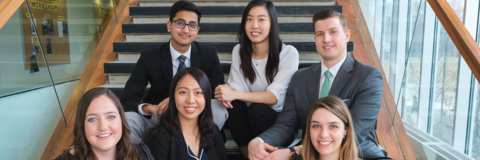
[169, 121]
[246, 50]
[349, 150]
[81, 146]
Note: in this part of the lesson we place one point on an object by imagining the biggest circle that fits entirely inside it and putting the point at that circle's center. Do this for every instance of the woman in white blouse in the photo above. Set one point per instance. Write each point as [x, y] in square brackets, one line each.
[261, 69]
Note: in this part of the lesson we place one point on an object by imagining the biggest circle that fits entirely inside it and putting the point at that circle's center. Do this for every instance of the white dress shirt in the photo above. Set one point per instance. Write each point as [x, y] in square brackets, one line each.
[287, 66]
[175, 63]
[333, 70]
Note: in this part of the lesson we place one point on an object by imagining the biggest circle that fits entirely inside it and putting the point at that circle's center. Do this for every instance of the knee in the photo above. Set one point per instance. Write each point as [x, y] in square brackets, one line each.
[258, 110]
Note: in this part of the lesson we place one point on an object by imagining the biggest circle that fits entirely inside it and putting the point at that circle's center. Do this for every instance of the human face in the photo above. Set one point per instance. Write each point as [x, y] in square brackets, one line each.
[327, 132]
[257, 26]
[103, 124]
[183, 37]
[331, 40]
[189, 98]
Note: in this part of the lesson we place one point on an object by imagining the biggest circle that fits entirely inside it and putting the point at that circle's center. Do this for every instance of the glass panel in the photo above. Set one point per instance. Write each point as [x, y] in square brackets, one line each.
[414, 67]
[27, 121]
[445, 90]
[386, 47]
[475, 123]
[67, 32]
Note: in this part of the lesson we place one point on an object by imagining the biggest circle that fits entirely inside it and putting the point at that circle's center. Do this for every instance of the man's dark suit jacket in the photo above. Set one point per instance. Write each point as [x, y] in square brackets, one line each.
[155, 66]
[163, 148]
[359, 85]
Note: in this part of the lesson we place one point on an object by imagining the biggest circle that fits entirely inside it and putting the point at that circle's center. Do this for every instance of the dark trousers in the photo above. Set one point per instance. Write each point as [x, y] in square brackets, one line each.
[247, 122]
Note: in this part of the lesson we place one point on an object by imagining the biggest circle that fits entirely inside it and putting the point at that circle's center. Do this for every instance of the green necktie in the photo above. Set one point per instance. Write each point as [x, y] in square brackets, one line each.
[326, 85]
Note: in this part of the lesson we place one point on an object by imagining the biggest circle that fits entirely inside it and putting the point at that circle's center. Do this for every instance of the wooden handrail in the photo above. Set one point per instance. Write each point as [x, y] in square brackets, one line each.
[390, 136]
[459, 34]
[7, 9]
[93, 76]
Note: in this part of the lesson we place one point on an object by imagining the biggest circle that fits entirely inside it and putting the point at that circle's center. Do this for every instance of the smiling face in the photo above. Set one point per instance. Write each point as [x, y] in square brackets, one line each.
[327, 132]
[183, 37]
[103, 124]
[257, 26]
[189, 98]
[331, 40]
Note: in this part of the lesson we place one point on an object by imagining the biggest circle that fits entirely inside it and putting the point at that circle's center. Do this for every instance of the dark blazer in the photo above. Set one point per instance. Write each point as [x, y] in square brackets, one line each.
[155, 66]
[163, 148]
[359, 85]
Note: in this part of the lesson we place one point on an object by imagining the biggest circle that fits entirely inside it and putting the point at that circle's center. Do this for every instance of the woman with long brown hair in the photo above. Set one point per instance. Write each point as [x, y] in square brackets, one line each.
[329, 134]
[101, 130]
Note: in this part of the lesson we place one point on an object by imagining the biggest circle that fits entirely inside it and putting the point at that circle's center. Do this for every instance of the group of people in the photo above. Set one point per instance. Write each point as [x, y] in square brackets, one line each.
[263, 104]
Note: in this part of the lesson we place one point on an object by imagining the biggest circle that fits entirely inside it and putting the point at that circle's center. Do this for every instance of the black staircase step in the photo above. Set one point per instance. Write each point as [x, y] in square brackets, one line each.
[231, 10]
[135, 47]
[126, 67]
[158, 28]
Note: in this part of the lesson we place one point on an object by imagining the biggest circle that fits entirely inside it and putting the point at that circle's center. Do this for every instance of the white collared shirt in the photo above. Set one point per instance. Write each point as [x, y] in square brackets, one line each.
[175, 63]
[333, 70]
[175, 54]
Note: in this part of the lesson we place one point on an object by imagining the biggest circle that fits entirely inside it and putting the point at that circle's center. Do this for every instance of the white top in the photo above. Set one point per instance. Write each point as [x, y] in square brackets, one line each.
[333, 70]
[175, 62]
[287, 66]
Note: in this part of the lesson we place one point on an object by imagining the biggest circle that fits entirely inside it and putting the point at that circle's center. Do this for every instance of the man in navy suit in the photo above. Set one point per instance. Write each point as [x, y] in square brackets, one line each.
[359, 85]
[158, 66]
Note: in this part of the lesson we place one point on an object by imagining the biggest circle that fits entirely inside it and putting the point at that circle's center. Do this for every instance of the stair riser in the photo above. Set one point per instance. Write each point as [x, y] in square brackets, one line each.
[231, 10]
[217, 19]
[212, 37]
[159, 28]
[135, 47]
[303, 56]
[241, 3]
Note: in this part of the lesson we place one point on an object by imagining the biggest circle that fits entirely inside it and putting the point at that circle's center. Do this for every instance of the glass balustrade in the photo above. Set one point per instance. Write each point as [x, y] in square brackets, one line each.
[44, 50]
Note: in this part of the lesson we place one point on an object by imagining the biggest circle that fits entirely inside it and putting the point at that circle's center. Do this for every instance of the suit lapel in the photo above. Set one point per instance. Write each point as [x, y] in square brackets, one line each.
[313, 83]
[343, 75]
[166, 62]
[195, 59]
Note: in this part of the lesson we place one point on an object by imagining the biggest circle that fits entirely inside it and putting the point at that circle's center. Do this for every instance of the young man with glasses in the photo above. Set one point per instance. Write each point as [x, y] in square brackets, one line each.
[158, 66]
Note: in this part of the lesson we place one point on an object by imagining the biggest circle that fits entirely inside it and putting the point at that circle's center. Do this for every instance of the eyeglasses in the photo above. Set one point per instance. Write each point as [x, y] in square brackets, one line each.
[181, 24]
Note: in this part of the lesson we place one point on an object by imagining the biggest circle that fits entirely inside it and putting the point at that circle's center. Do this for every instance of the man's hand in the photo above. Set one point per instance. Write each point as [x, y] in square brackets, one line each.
[162, 107]
[224, 93]
[258, 150]
[281, 154]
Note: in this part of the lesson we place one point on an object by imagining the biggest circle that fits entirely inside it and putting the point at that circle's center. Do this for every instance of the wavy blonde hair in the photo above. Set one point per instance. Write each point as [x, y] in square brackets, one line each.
[348, 150]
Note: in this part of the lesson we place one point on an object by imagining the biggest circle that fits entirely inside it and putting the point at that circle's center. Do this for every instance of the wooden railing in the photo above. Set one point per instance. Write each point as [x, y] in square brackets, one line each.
[391, 136]
[92, 77]
[7, 9]
[459, 34]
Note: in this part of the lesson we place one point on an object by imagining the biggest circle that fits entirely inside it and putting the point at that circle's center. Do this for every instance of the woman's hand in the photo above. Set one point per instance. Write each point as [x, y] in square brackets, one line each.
[224, 93]
[226, 104]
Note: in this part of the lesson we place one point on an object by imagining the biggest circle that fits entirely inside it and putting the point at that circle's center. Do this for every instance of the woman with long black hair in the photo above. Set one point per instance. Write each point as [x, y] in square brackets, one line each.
[261, 69]
[186, 129]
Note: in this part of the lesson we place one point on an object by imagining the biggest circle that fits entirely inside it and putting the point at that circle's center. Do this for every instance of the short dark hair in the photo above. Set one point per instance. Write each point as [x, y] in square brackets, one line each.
[329, 13]
[184, 5]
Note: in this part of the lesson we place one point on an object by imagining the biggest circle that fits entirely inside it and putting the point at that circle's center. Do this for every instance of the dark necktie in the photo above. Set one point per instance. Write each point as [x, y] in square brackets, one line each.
[182, 63]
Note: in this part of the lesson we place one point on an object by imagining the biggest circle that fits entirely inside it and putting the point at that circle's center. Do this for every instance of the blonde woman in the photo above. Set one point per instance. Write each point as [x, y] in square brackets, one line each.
[330, 134]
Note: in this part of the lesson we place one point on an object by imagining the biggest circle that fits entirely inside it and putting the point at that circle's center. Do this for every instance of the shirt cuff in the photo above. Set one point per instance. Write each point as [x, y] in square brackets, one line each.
[260, 139]
[140, 109]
